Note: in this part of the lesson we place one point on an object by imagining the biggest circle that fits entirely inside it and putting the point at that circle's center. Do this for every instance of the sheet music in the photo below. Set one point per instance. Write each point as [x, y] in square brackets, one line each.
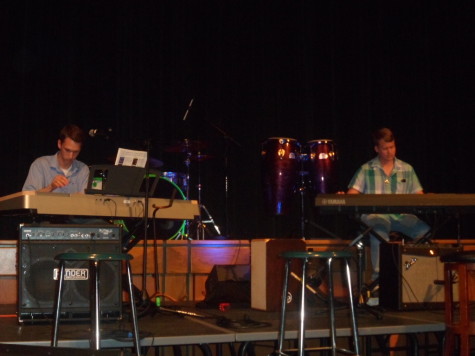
[132, 158]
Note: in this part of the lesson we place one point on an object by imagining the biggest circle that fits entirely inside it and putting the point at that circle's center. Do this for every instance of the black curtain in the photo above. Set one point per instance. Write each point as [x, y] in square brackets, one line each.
[255, 69]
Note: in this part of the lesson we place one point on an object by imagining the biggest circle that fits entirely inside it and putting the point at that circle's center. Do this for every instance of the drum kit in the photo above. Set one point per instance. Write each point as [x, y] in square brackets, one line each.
[193, 153]
[289, 167]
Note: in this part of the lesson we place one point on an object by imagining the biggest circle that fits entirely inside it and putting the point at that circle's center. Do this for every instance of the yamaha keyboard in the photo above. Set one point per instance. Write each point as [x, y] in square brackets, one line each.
[395, 203]
[35, 203]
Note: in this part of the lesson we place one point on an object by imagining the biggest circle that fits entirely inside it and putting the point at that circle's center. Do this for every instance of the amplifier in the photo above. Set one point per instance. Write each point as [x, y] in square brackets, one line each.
[412, 277]
[70, 232]
[37, 271]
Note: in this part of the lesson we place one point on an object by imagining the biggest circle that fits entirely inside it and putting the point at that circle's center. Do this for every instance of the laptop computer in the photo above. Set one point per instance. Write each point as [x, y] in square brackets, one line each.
[127, 181]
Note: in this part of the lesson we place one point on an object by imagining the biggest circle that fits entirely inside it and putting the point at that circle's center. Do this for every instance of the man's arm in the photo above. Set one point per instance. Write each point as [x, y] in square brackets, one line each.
[57, 182]
[35, 179]
[42, 179]
[353, 191]
[357, 181]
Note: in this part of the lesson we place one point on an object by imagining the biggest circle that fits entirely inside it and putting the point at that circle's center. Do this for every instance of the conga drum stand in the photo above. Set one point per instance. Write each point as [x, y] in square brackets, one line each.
[303, 192]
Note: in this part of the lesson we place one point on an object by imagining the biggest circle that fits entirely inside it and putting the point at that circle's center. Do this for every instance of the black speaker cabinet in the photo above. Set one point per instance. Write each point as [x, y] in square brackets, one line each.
[228, 283]
[37, 271]
[411, 277]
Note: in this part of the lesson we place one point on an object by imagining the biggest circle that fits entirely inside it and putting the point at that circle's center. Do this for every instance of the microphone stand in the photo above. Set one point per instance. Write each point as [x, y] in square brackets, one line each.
[227, 139]
[147, 192]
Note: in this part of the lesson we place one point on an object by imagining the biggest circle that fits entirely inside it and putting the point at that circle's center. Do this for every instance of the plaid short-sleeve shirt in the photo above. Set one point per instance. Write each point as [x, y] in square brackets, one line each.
[371, 179]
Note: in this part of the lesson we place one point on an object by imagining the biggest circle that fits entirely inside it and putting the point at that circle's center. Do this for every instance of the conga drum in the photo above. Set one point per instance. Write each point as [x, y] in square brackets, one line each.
[321, 163]
[280, 169]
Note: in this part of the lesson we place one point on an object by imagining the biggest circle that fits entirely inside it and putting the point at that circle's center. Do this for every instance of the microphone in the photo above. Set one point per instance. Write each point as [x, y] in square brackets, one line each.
[188, 109]
[100, 132]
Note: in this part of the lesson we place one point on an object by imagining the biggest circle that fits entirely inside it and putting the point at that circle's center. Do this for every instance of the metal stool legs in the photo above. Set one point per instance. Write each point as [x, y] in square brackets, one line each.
[57, 304]
[94, 267]
[95, 303]
[329, 257]
[133, 309]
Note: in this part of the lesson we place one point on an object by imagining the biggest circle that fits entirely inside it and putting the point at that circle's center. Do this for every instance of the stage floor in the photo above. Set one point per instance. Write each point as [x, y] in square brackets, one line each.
[237, 326]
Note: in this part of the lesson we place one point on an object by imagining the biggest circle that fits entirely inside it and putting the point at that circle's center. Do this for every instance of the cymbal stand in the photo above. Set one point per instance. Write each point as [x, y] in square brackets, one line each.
[187, 165]
[199, 222]
[187, 190]
[187, 162]
[201, 227]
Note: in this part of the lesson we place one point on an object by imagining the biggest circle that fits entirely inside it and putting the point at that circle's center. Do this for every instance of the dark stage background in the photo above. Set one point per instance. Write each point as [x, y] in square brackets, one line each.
[255, 69]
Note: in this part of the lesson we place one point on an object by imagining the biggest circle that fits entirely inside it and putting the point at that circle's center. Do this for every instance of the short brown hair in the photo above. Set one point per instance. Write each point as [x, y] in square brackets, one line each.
[74, 132]
[383, 133]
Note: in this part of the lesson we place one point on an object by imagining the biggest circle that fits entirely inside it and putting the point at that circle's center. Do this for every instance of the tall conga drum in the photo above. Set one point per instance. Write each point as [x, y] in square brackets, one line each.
[322, 168]
[280, 169]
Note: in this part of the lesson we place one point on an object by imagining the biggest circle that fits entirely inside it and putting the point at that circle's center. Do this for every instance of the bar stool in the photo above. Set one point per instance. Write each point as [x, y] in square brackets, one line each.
[458, 268]
[329, 257]
[95, 261]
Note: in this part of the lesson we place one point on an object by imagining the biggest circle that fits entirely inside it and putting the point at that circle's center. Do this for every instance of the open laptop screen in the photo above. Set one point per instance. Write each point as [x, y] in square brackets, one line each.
[121, 180]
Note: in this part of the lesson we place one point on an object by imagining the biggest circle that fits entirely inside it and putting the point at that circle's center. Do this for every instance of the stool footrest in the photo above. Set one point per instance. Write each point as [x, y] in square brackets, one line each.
[316, 348]
[317, 254]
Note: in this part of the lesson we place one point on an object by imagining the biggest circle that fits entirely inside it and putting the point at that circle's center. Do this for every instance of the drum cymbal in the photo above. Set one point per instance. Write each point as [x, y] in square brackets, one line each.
[186, 146]
[154, 162]
[200, 157]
